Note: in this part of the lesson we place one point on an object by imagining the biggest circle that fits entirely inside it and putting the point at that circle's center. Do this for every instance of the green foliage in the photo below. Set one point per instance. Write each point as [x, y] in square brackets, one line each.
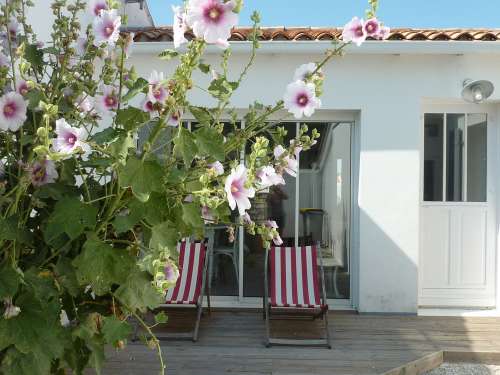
[102, 266]
[143, 177]
[185, 145]
[137, 292]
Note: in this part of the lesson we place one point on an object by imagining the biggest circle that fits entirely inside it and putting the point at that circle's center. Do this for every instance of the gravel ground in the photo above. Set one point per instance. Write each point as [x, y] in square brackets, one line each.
[465, 369]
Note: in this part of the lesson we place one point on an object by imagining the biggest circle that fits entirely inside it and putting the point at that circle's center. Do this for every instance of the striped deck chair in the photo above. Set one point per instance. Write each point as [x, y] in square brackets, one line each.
[294, 290]
[191, 284]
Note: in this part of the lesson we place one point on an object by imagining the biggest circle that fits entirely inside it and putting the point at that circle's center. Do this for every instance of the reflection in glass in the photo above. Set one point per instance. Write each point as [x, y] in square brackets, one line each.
[325, 203]
[433, 156]
[476, 157]
[455, 125]
[276, 204]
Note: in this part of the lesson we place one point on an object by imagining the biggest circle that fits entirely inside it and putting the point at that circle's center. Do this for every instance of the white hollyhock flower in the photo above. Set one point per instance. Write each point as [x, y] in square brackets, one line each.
[94, 7]
[179, 26]
[305, 71]
[237, 193]
[212, 20]
[43, 172]
[12, 111]
[69, 139]
[354, 31]
[107, 28]
[276, 236]
[11, 310]
[268, 177]
[157, 91]
[300, 99]
[217, 167]
[174, 119]
[290, 162]
[108, 100]
[63, 318]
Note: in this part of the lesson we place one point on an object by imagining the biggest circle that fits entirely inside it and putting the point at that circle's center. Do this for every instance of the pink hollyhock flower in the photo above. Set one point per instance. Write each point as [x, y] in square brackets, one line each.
[69, 139]
[384, 33]
[85, 103]
[268, 177]
[290, 162]
[22, 87]
[107, 28]
[354, 32]
[212, 20]
[148, 106]
[81, 45]
[217, 167]
[12, 111]
[108, 101]
[237, 193]
[43, 172]
[174, 119]
[305, 71]
[180, 27]
[13, 27]
[372, 28]
[300, 99]
[276, 236]
[94, 7]
[171, 273]
[157, 90]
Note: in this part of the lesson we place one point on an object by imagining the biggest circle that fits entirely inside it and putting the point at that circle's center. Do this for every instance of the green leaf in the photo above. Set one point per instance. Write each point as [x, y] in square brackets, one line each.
[131, 118]
[168, 54]
[210, 142]
[205, 68]
[102, 266]
[161, 318]
[138, 87]
[105, 136]
[143, 177]
[119, 148]
[34, 97]
[10, 279]
[138, 292]
[163, 235]
[201, 114]
[70, 216]
[136, 212]
[115, 329]
[191, 214]
[66, 276]
[17, 363]
[10, 231]
[185, 145]
[34, 56]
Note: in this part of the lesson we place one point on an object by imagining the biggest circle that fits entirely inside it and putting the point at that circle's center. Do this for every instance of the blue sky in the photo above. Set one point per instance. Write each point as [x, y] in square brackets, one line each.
[395, 13]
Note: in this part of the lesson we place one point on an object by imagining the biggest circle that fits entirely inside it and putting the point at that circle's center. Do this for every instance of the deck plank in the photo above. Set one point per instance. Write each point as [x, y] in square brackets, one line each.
[232, 343]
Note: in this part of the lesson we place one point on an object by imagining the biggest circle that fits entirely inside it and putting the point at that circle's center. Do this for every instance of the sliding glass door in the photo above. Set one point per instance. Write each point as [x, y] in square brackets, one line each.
[313, 208]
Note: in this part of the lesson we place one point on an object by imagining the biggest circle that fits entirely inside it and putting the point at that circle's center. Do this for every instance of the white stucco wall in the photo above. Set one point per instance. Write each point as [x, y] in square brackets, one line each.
[387, 91]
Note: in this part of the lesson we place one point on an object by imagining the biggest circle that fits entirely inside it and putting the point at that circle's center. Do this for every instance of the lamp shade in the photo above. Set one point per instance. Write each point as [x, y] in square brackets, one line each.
[477, 91]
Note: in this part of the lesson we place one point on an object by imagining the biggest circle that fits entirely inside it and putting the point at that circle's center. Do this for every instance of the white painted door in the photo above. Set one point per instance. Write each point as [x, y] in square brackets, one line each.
[458, 215]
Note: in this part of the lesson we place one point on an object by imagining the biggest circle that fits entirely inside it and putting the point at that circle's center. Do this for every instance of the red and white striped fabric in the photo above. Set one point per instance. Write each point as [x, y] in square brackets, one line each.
[294, 277]
[188, 287]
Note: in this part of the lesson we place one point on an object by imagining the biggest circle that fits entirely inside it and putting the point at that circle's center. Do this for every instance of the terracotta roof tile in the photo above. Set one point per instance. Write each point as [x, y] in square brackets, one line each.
[165, 34]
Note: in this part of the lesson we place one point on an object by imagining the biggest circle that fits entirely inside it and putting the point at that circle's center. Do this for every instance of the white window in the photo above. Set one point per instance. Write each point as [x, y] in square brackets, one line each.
[455, 157]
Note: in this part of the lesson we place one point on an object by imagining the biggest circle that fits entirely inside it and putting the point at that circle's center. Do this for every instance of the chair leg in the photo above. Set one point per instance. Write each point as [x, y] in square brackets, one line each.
[236, 269]
[268, 325]
[198, 319]
[327, 332]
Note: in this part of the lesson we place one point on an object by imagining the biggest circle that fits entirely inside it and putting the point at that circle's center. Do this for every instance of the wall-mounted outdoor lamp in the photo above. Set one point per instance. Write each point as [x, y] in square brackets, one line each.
[477, 91]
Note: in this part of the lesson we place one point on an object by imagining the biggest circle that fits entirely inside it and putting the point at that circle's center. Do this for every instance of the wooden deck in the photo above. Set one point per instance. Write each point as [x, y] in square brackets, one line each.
[232, 343]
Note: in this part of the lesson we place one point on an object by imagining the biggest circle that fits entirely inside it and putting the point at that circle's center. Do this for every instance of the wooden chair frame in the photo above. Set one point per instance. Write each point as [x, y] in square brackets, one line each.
[296, 313]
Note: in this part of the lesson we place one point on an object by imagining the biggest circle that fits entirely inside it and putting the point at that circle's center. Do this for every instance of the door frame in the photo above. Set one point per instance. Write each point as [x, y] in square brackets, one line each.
[322, 116]
[492, 185]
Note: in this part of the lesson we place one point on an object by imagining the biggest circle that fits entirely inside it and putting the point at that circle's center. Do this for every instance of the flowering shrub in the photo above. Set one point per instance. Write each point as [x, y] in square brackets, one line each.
[89, 220]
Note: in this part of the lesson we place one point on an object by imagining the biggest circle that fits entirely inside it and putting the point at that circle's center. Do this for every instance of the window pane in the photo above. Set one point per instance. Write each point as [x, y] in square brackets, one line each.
[325, 203]
[276, 204]
[476, 157]
[455, 124]
[433, 157]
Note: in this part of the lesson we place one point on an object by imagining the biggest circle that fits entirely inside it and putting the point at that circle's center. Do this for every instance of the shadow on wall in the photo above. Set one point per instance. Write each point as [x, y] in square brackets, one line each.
[388, 278]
